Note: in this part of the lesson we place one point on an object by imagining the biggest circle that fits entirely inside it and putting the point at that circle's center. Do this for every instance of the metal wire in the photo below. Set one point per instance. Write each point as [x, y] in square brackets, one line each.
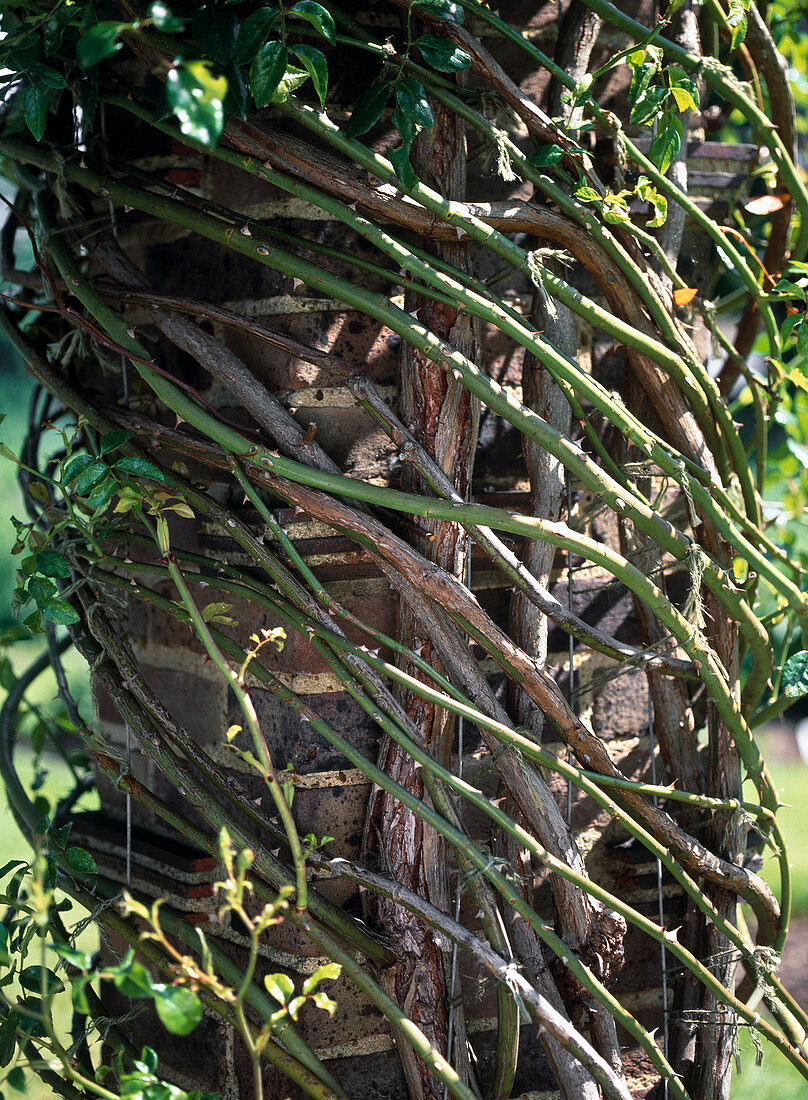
[454, 992]
[571, 639]
[663, 954]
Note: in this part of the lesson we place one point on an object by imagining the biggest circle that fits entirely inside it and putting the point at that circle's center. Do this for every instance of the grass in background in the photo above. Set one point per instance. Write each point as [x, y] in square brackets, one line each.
[776, 1078]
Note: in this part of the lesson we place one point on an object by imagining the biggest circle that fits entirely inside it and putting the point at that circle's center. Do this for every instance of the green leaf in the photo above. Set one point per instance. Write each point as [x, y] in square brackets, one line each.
[16, 1078]
[76, 958]
[546, 156]
[78, 993]
[59, 612]
[100, 42]
[196, 97]
[8, 1037]
[789, 289]
[648, 106]
[237, 100]
[316, 66]
[90, 476]
[74, 466]
[103, 493]
[179, 1009]
[111, 441]
[412, 101]
[327, 972]
[35, 109]
[292, 79]
[442, 54]
[41, 589]
[45, 76]
[50, 563]
[795, 675]
[267, 71]
[32, 977]
[139, 467]
[279, 986]
[641, 76]
[400, 159]
[585, 193]
[368, 108]
[216, 32]
[323, 1001]
[132, 979]
[446, 9]
[29, 1022]
[4, 955]
[80, 861]
[648, 193]
[736, 19]
[684, 91]
[164, 20]
[666, 145]
[802, 342]
[55, 28]
[213, 609]
[253, 34]
[317, 15]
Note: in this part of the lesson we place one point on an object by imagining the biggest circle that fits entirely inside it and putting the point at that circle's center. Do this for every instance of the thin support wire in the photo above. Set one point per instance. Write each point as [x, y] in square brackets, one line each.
[571, 640]
[125, 385]
[454, 991]
[663, 954]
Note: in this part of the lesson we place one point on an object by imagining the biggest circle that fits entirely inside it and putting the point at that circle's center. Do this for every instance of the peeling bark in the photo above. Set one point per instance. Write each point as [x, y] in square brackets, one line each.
[443, 417]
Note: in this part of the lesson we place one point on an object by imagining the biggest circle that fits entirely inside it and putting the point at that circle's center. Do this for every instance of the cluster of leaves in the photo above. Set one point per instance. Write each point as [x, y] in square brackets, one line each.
[33, 991]
[235, 888]
[77, 497]
[614, 204]
[228, 64]
[412, 111]
[658, 94]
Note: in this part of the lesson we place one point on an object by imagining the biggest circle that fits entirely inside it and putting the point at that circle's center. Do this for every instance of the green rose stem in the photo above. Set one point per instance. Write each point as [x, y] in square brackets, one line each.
[715, 75]
[458, 215]
[187, 410]
[29, 817]
[462, 842]
[684, 370]
[459, 291]
[570, 454]
[586, 781]
[352, 931]
[397, 1018]
[236, 682]
[488, 517]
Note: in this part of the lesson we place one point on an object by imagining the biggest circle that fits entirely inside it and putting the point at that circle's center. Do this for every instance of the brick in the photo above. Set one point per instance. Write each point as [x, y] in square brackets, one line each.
[195, 702]
[292, 741]
[347, 334]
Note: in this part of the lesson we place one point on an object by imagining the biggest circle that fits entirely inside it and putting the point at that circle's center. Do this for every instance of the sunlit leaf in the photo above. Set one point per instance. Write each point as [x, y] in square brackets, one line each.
[267, 71]
[98, 43]
[442, 54]
[684, 295]
[179, 1009]
[196, 97]
[316, 66]
[317, 15]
